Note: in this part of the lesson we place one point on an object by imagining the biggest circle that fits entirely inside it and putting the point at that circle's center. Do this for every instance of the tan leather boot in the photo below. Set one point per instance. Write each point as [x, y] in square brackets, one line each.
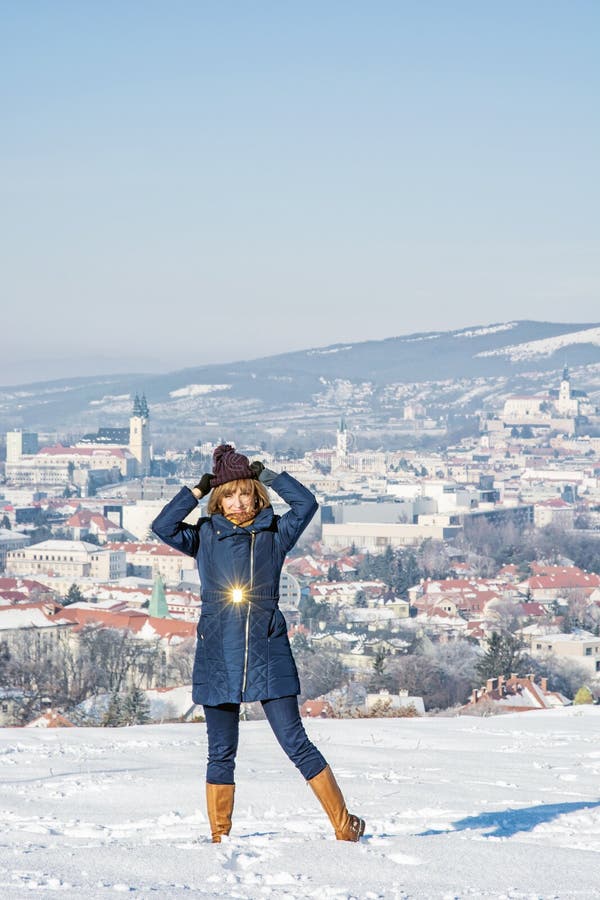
[219, 805]
[346, 826]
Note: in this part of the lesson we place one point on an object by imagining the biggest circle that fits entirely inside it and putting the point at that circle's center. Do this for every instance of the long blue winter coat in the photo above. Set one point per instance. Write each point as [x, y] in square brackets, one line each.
[243, 652]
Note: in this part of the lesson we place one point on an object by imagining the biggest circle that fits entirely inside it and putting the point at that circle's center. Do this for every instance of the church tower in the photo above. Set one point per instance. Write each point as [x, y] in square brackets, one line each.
[157, 606]
[139, 434]
[342, 441]
[566, 405]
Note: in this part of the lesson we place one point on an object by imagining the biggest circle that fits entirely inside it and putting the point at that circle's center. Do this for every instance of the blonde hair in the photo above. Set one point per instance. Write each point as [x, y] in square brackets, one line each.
[259, 491]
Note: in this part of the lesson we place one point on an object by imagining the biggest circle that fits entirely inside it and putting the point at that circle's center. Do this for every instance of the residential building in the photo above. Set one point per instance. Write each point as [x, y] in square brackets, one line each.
[83, 466]
[516, 694]
[555, 512]
[581, 646]
[76, 559]
[148, 559]
[20, 443]
[11, 703]
[11, 540]
[375, 537]
[548, 583]
[43, 621]
[135, 439]
[85, 523]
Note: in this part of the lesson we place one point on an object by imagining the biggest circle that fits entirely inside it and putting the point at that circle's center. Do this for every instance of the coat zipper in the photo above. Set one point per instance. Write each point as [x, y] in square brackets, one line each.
[248, 613]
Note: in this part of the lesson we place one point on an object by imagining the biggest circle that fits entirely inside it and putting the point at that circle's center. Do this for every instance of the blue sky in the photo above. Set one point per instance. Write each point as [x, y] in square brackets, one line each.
[192, 182]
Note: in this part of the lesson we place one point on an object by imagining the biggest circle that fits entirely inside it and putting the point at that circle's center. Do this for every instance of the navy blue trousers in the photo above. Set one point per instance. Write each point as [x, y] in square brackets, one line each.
[222, 726]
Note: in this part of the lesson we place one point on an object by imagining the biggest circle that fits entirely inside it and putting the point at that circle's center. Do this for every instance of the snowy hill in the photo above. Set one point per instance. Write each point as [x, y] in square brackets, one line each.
[368, 376]
[504, 807]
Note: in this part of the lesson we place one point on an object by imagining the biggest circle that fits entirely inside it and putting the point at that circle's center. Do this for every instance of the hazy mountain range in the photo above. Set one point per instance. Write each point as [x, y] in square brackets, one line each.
[458, 370]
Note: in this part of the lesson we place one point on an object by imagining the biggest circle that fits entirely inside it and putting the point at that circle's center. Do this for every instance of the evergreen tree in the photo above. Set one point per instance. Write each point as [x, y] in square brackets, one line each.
[388, 560]
[74, 595]
[365, 568]
[311, 611]
[379, 662]
[114, 716]
[5, 523]
[360, 599]
[299, 643]
[136, 707]
[502, 657]
[407, 572]
[333, 573]
[4, 661]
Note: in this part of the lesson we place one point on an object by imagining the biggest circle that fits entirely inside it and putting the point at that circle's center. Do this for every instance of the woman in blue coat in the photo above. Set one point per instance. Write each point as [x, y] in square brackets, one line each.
[242, 652]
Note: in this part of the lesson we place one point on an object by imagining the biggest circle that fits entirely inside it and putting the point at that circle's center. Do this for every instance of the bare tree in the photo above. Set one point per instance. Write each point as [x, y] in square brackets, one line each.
[118, 658]
[580, 612]
[30, 669]
[506, 615]
[63, 669]
[433, 559]
[442, 674]
[564, 675]
[319, 673]
[182, 661]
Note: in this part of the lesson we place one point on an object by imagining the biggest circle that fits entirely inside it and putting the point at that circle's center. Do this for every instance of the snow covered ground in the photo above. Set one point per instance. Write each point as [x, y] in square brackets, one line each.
[503, 807]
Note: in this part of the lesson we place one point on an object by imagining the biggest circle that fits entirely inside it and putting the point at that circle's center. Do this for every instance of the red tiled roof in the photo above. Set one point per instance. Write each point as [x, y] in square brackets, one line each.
[538, 695]
[561, 577]
[53, 719]
[156, 549]
[85, 517]
[25, 584]
[131, 620]
[316, 709]
[533, 609]
[14, 596]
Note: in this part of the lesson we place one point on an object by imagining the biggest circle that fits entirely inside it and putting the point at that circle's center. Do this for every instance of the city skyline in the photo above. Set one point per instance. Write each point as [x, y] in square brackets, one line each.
[210, 184]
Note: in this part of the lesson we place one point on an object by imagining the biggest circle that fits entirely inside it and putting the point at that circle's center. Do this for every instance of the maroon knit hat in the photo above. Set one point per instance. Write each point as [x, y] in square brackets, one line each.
[229, 465]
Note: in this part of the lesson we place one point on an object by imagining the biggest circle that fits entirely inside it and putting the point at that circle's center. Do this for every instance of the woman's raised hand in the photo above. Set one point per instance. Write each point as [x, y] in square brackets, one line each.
[256, 468]
[204, 485]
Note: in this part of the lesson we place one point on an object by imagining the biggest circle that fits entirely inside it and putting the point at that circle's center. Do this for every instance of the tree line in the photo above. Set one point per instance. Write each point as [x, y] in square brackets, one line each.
[63, 670]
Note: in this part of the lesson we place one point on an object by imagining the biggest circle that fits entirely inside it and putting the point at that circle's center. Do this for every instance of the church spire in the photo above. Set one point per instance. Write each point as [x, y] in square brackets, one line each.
[137, 408]
[157, 606]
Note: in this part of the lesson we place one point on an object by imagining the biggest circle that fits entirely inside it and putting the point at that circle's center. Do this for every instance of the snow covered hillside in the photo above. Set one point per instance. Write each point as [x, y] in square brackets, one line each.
[504, 807]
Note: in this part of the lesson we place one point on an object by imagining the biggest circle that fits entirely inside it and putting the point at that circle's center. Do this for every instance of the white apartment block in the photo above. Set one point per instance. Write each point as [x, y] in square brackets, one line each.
[553, 512]
[289, 591]
[376, 537]
[76, 559]
[582, 647]
[20, 443]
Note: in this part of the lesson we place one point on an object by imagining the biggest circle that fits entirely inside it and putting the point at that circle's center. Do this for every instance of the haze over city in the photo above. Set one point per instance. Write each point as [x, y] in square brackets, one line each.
[206, 182]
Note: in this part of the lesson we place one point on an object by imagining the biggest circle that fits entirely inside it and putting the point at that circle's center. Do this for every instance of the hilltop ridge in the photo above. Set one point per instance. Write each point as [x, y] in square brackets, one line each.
[375, 377]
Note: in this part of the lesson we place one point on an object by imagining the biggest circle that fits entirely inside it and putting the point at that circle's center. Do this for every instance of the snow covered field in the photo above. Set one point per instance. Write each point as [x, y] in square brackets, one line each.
[504, 807]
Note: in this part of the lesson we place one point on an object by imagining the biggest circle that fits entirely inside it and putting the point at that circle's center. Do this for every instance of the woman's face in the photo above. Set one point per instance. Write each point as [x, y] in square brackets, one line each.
[238, 502]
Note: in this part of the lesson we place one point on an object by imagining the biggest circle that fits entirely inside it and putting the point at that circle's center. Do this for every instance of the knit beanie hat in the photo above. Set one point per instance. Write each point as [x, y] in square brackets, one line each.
[229, 465]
